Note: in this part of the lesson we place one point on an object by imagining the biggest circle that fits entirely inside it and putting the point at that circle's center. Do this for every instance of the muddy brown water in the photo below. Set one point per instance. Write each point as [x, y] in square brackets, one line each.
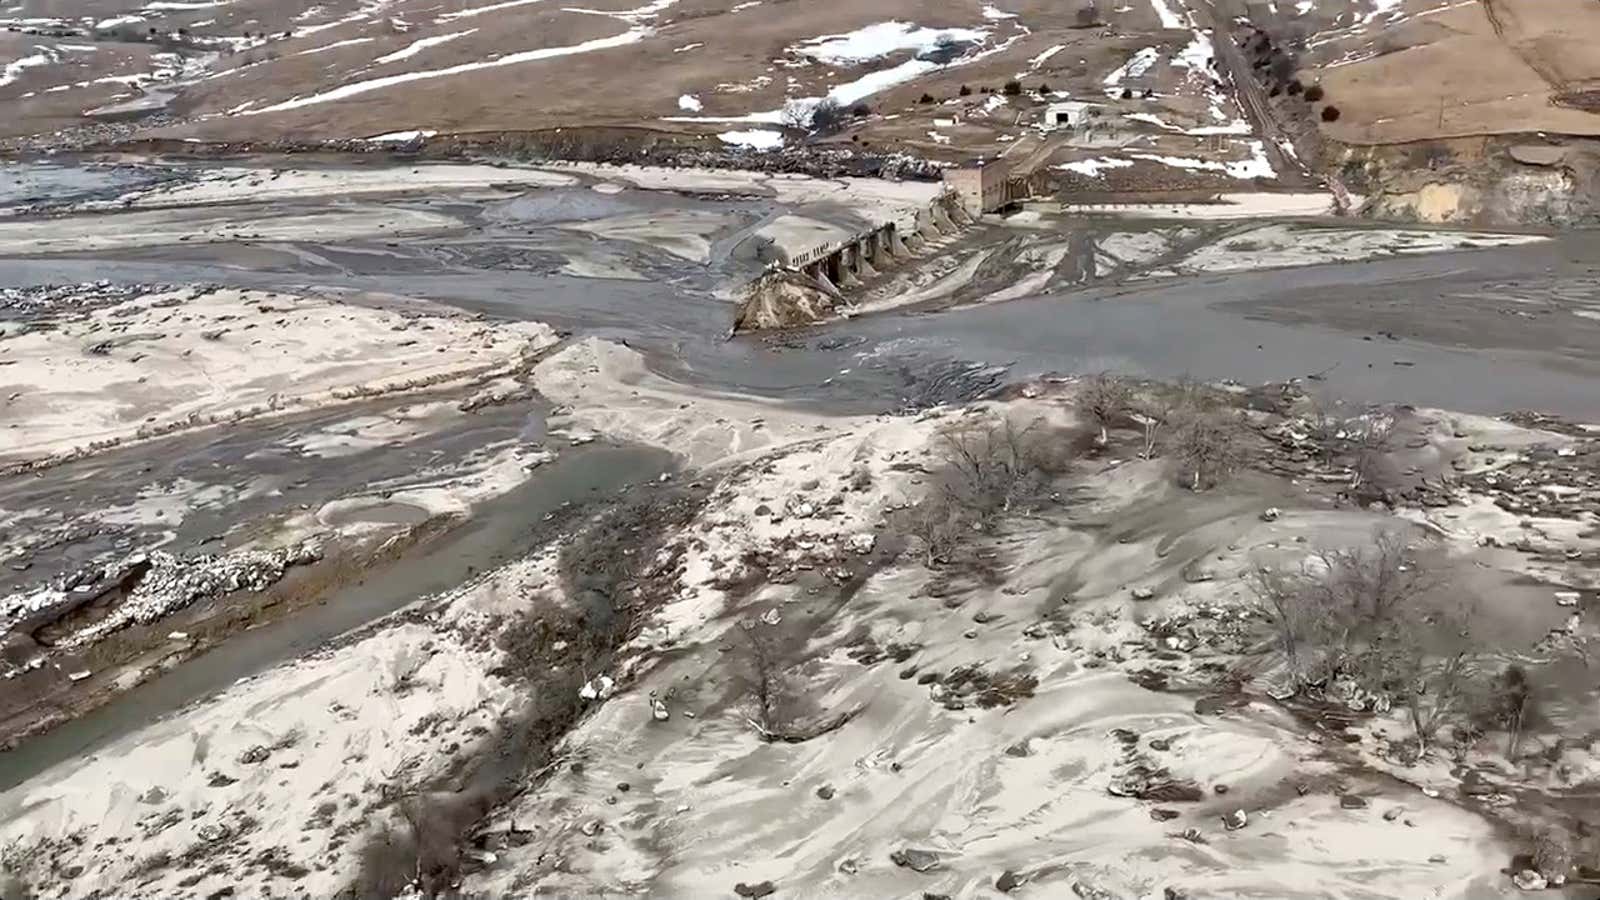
[502, 529]
[1211, 327]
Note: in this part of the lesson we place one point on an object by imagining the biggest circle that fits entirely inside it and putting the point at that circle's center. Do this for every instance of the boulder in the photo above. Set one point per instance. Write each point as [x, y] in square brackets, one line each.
[1529, 880]
[914, 859]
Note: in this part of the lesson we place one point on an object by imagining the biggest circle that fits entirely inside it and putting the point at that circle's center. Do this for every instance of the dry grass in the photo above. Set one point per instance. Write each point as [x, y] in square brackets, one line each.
[1465, 72]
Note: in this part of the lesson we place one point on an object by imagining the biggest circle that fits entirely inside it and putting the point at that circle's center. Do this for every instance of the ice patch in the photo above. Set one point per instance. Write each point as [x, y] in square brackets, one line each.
[1136, 65]
[993, 14]
[417, 46]
[1380, 8]
[117, 21]
[1093, 167]
[755, 139]
[876, 41]
[1257, 166]
[480, 10]
[1169, 19]
[690, 103]
[14, 70]
[632, 36]
[1039, 60]
[400, 137]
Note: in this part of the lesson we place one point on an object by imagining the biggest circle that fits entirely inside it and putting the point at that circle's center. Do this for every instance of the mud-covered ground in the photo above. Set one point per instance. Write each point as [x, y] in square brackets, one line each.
[301, 398]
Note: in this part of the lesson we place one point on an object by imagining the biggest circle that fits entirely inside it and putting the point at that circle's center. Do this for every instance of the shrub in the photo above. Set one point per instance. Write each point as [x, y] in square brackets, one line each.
[1127, 93]
[1552, 854]
[965, 91]
[1208, 449]
[1295, 87]
[1104, 400]
[1012, 88]
[1330, 114]
[1044, 88]
[925, 98]
[861, 110]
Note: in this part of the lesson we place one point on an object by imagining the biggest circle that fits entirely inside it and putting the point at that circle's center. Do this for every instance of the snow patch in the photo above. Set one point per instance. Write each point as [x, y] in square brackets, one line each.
[1136, 65]
[421, 44]
[631, 36]
[480, 10]
[400, 137]
[880, 40]
[14, 70]
[754, 139]
[690, 103]
[1169, 19]
[1093, 167]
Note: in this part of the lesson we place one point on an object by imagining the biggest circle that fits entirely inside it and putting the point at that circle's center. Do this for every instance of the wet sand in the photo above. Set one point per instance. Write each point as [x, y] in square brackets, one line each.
[503, 529]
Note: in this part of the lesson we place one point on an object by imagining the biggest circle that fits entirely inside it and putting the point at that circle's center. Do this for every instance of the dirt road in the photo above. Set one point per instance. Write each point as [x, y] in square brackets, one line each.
[1219, 16]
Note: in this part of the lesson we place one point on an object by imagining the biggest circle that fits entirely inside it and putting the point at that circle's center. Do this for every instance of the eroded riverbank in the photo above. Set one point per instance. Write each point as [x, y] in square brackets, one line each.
[808, 455]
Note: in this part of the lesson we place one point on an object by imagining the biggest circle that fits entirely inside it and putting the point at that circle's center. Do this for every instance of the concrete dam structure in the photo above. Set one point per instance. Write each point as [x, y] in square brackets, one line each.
[807, 285]
[844, 264]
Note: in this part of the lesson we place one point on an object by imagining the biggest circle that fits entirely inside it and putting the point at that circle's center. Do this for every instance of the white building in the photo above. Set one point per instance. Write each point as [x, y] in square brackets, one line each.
[1065, 114]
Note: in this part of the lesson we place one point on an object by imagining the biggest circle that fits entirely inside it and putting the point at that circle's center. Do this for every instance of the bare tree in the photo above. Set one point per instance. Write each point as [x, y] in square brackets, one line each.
[1437, 684]
[1104, 400]
[827, 116]
[779, 710]
[797, 114]
[1282, 599]
[938, 525]
[1365, 589]
[991, 466]
[823, 116]
[1366, 615]
[772, 699]
[1511, 704]
[1208, 448]
[1154, 415]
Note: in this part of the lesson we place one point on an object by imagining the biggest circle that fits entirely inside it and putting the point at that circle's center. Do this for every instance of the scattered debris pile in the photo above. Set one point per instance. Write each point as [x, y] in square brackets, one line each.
[784, 299]
[141, 589]
[1544, 481]
[50, 301]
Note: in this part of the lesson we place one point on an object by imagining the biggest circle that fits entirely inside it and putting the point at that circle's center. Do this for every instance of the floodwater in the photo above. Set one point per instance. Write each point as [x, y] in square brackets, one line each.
[505, 528]
[22, 184]
[1200, 326]
[1210, 327]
